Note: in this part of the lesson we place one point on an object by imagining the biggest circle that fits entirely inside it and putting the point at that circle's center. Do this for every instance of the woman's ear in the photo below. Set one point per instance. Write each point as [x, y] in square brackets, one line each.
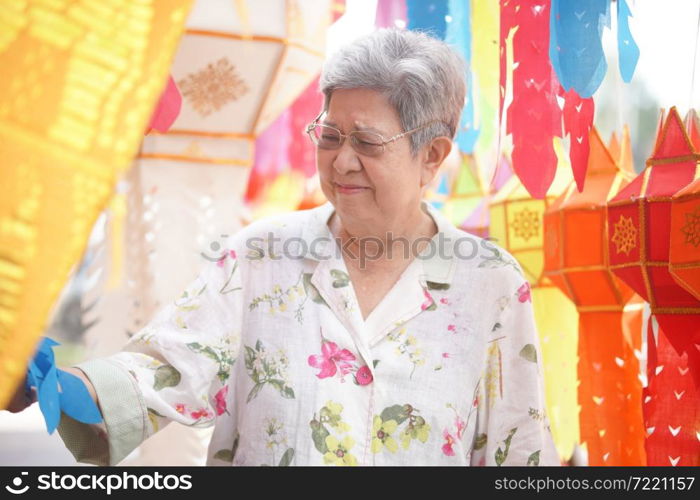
[433, 156]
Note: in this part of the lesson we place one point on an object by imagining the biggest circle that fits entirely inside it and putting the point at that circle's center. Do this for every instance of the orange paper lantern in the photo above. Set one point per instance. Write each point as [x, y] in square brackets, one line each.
[576, 260]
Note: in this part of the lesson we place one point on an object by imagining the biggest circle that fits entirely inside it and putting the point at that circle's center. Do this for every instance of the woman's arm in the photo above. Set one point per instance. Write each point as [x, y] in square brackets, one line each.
[23, 399]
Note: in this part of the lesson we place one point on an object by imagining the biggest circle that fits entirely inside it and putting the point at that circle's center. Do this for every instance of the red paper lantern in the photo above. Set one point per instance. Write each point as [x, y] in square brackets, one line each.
[639, 225]
[685, 225]
[641, 230]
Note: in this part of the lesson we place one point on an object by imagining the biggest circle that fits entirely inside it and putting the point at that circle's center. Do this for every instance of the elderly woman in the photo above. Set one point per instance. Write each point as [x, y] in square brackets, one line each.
[367, 331]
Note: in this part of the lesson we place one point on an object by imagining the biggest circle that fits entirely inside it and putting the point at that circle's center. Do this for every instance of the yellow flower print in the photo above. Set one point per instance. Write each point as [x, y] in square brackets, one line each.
[335, 408]
[381, 435]
[416, 430]
[331, 414]
[337, 453]
[407, 346]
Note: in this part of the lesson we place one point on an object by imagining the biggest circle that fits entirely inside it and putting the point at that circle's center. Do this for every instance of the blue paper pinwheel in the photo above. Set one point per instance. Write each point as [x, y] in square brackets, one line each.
[59, 391]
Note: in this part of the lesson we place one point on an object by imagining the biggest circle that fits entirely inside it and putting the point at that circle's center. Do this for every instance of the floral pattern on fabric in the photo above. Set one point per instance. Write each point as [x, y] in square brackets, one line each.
[263, 348]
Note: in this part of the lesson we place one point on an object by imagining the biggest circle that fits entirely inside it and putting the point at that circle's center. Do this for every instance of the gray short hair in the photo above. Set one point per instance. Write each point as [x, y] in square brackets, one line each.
[421, 76]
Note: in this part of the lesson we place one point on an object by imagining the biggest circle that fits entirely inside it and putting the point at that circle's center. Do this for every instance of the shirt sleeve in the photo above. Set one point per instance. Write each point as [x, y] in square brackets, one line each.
[512, 425]
[177, 368]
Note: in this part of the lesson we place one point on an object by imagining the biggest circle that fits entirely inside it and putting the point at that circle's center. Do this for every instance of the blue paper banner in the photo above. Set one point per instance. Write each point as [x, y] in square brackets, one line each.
[59, 391]
[459, 35]
[575, 46]
[627, 49]
[427, 15]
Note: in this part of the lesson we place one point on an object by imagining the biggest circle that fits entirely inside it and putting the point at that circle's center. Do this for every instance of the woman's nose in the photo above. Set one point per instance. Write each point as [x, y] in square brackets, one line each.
[346, 160]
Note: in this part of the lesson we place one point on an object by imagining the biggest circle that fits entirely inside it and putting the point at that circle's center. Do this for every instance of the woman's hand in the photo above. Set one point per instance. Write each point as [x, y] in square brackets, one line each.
[21, 399]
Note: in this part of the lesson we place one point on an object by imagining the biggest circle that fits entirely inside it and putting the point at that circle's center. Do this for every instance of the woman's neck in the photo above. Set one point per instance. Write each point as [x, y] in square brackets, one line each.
[396, 243]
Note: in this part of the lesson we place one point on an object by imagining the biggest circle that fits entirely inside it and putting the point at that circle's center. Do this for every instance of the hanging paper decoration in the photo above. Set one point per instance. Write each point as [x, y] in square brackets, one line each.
[59, 391]
[505, 46]
[517, 226]
[639, 228]
[167, 109]
[390, 14]
[271, 156]
[640, 224]
[484, 66]
[466, 191]
[576, 47]
[478, 221]
[672, 397]
[459, 36]
[578, 120]
[609, 391]
[427, 15]
[684, 254]
[71, 118]
[627, 49]
[534, 116]
[302, 152]
[517, 220]
[337, 10]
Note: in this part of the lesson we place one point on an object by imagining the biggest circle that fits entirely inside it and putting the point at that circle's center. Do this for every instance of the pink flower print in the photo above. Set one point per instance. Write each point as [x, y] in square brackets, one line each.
[476, 402]
[445, 301]
[363, 376]
[452, 328]
[460, 425]
[429, 303]
[445, 355]
[222, 259]
[332, 359]
[524, 292]
[220, 399]
[449, 441]
[201, 413]
[180, 408]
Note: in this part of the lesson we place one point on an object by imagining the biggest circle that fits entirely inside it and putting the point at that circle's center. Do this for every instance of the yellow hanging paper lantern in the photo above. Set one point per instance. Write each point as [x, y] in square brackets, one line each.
[79, 84]
[517, 225]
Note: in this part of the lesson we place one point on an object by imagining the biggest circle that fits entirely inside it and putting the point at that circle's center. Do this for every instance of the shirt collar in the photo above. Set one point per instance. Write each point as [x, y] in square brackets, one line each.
[437, 258]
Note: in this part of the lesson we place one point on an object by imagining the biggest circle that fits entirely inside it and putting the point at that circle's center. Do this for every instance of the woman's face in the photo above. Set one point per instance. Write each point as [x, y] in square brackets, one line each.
[370, 192]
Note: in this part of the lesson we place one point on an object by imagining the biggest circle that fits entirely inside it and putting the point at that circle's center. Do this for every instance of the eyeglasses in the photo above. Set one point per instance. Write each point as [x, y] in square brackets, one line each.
[364, 142]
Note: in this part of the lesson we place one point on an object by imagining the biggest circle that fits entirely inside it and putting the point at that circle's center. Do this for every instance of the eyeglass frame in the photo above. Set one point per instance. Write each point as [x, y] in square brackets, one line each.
[309, 128]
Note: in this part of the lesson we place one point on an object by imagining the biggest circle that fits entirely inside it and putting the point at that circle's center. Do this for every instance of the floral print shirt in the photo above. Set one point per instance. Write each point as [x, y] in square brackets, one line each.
[269, 346]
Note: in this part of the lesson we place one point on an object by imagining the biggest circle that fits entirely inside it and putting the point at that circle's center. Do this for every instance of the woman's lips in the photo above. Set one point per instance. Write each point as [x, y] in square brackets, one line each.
[349, 188]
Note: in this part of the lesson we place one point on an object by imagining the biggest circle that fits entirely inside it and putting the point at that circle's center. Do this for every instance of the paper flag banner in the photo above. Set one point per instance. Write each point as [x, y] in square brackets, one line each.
[576, 48]
[80, 82]
[533, 117]
[167, 109]
[59, 391]
[627, 49]
[459, 36]
[484, 66]
[578, 120]
[389, 12]
[427, 15]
